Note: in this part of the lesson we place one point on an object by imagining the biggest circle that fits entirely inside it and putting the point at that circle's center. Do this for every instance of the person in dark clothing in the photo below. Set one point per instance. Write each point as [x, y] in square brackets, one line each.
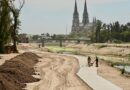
[89, 61]
[39, 46]
[97, 62]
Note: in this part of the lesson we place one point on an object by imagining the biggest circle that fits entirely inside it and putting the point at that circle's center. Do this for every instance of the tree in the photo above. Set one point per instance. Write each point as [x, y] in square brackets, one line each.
[98, 29]
[104, 36]
[47, 34]
[53, 36]
[126, 36]
[35, 37]
[117, 27]
[59, 36]
[111, 32]
[15, 24]
[5, 23]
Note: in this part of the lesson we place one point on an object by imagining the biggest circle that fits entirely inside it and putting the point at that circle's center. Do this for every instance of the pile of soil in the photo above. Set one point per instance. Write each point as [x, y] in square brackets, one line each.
[16, 72]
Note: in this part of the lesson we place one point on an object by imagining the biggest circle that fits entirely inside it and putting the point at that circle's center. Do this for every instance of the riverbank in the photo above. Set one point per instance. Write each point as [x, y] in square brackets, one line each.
[117, 50]
[114, 75]
[105, 71]
[113, 53]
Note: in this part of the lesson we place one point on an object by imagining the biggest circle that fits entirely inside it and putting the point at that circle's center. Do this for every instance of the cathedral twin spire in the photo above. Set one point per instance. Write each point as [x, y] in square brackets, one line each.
[85, 13]
[75, 9]
[75, 16]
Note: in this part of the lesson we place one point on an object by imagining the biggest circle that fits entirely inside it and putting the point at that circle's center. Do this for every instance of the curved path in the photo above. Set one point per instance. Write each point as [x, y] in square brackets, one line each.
[58, 72]
[90, 76]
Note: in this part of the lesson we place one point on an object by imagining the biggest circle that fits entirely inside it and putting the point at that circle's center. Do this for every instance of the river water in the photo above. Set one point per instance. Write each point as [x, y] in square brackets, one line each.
[127, 68]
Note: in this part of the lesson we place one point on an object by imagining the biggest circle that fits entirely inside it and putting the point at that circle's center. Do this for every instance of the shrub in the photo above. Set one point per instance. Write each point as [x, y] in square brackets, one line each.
[102, 46]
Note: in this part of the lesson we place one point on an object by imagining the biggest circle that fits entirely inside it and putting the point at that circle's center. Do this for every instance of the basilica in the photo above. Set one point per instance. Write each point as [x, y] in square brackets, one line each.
[85, 26]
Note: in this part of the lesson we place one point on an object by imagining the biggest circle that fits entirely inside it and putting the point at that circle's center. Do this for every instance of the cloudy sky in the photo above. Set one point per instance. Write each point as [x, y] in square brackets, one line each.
[53, 16]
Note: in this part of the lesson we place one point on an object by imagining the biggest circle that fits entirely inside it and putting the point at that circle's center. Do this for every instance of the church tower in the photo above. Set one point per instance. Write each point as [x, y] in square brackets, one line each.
[75, 24]
[85, 15]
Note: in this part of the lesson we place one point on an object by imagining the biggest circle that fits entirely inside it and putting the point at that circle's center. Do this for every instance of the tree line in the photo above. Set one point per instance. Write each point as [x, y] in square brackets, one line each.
[9, 23]
[101, 33]
[113, 32]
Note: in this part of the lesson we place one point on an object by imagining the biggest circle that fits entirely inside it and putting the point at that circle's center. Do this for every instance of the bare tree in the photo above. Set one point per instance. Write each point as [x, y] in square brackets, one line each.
[15, 7]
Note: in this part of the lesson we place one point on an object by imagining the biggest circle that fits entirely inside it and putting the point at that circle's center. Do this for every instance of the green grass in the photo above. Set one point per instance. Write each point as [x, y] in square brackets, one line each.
[102, 46]
[57, 49]
[110, 59]
[60, 49]
[129, 57]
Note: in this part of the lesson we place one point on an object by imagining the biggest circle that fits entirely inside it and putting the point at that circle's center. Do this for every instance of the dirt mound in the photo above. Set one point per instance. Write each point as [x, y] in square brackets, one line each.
[18, 71]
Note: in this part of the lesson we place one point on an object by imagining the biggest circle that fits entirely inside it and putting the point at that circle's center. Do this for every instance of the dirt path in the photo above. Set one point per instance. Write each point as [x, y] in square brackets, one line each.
[58, 73]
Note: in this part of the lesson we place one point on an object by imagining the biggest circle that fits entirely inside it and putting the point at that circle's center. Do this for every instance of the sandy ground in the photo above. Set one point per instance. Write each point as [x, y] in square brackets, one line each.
[58, 73]
[113, 49]
[49, 72]
[4, 57]
[114, 76]
[22, 48]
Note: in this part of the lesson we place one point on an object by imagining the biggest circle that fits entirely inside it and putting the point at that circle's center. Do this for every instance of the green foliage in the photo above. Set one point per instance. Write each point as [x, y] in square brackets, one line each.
[113, 32]
[9, 23]
[35, 37]
[102, 46]
[104, 36]
[125, 36]
[60, 49]
[98, 29]
[76, 53]
[60, 36]
[129, 57]
[116, 41]
[79, 35]
[5, 23]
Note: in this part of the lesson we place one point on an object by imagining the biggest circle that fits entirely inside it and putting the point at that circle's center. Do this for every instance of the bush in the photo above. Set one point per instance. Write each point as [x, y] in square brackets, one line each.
[116, 41]
[102, 46]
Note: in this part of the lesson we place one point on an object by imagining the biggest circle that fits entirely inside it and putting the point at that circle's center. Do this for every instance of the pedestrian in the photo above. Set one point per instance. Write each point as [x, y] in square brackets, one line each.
[39, 45]
[89, 61]
[97, 62]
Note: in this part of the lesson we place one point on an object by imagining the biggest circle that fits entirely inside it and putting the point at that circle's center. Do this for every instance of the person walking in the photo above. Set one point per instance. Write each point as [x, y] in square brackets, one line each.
[39, 45]
[97, 62]
[89, 61]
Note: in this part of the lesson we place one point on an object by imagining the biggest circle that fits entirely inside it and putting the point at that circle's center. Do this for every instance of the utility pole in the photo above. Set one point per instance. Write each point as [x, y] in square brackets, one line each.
[66, 30]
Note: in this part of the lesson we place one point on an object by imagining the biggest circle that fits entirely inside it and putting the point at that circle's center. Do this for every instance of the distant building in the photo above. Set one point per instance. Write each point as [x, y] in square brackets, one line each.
[85, 26]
